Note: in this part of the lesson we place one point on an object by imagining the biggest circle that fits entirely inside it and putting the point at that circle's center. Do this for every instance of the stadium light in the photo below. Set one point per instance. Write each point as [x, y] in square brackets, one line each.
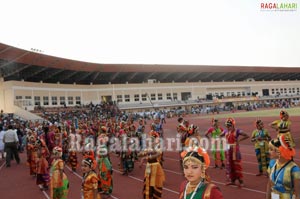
[36, 50]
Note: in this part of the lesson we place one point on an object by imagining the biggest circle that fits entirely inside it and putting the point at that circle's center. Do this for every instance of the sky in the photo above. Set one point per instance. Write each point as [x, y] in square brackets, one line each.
[184, 32]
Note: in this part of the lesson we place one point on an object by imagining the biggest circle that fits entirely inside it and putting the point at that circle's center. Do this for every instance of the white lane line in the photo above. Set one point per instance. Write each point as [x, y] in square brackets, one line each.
[46, 195]
[135, 178]
[113, 197]
[177, 160]
[171, 190]
[178, 173]
[173, 159]
[247, 162]
[80, 177]
[244, 188]
[249, 154]
[2, 165]
[242, 149]
[253, 190]
[253, 174]
[221, 183]
[170, 171]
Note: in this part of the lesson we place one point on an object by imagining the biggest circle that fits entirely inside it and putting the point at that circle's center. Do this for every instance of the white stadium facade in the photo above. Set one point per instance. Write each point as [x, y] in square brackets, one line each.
[30, 79]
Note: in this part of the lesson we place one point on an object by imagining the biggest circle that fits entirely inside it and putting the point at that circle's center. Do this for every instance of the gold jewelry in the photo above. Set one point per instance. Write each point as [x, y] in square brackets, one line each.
[192, 186]
[203, 174]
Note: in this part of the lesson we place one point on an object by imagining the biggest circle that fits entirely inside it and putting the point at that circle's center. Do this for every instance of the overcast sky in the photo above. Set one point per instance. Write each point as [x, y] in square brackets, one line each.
[192, 32]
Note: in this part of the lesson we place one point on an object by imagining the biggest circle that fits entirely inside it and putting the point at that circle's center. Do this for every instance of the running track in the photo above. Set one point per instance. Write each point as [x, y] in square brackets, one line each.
[16, 183]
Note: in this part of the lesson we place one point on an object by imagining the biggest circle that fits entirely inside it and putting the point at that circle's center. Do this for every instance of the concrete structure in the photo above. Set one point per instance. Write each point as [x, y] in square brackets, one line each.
[28, 95]
[29, 79]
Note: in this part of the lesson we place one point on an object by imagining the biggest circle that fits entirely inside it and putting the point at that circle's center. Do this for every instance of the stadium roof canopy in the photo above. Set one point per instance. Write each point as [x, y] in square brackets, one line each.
[19, 64]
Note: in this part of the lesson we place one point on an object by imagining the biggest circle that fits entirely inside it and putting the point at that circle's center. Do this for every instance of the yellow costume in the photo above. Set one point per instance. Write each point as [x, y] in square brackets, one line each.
[89, 185]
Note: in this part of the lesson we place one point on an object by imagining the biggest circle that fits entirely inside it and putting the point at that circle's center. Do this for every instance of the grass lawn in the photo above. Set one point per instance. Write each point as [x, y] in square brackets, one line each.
[261, 113]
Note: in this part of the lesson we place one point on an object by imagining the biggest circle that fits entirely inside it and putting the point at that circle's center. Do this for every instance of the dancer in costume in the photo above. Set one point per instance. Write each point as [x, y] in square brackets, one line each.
[260, 137]
[233, 154]
[141, 133]
[59, 184]
[89, 189]
[32, 155]
[193, 138]
[217, 146]
[197, 186]
[283, 171]
[283, 126]
[104, 164]
[73, 147]
[182, 132]
[43, 176]
[127, 155]
[154, 174]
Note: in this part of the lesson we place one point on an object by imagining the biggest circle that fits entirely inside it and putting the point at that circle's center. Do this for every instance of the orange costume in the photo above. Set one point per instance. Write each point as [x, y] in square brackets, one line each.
[59, 184]
[32, 155]
[89, 185]
[42, 165]
[204, 189]
[154, 173]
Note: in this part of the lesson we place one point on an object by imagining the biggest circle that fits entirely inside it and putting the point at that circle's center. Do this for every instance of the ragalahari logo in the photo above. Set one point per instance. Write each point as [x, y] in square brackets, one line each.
[271, 6]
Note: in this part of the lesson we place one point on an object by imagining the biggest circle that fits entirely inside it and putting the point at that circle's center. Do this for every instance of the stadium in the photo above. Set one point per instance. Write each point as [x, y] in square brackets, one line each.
[33, 83]
[30, 79]
[213, 113]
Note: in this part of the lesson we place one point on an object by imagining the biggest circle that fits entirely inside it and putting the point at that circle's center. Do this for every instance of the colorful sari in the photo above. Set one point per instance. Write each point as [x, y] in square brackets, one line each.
[43, 177]
[233, 156]
[32, 159]
[89, 185]
[154, 178]
[284, 127]
[105, 175]
[59, 186]
[262, 149]
[127, 163]
[206, 191]
[217, 146]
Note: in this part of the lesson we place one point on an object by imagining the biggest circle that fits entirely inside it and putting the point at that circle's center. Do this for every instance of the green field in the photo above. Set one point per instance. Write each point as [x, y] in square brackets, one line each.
[260, 113]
